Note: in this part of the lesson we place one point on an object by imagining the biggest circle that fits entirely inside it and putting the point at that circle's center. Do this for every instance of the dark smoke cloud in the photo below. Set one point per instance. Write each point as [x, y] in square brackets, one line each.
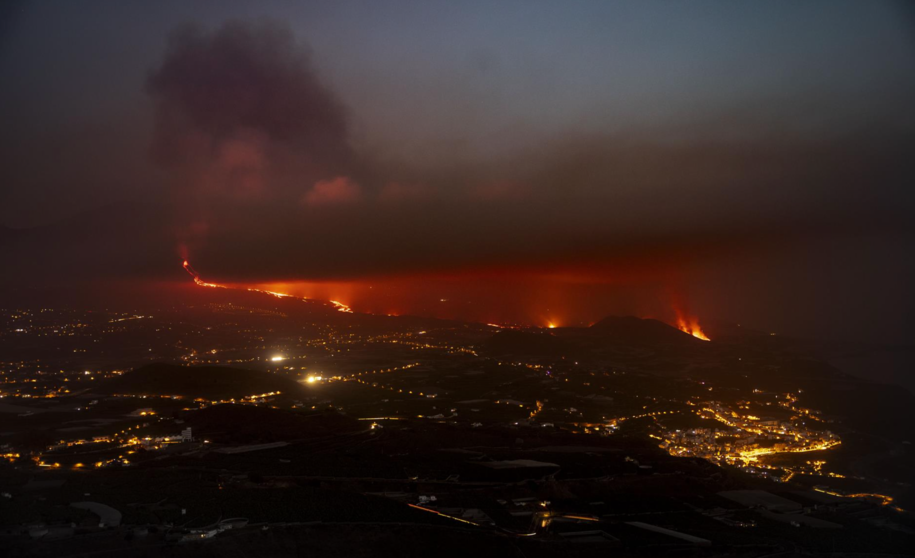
[267, 185]
[241, 116]
[584, 205]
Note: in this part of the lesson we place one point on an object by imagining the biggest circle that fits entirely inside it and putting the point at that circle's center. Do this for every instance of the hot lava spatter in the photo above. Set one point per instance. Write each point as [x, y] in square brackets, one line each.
[339, 306]
[691, 326]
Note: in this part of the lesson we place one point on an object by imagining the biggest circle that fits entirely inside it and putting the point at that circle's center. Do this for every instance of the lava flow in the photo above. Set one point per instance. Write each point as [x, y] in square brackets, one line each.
[198, 280]
[339, 306]
[691, 326]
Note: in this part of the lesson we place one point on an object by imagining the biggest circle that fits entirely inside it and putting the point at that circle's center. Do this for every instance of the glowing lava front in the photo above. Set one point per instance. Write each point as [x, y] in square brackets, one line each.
[339, 306]
[198, 280]
[691, 326]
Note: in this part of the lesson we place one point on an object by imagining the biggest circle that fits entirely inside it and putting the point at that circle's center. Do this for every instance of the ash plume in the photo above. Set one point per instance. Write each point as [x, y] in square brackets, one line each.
[242, 117]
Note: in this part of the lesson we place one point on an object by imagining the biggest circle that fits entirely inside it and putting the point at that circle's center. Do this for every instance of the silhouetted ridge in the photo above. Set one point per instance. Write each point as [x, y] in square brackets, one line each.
[629, 329]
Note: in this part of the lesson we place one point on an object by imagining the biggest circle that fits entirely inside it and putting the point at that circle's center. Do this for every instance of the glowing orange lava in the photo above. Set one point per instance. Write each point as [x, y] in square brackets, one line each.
[339, 306]
[197, 279]
[691, 326]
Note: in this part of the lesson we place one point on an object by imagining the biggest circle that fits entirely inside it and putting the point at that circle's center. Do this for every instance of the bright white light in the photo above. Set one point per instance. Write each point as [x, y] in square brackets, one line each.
[277, 358]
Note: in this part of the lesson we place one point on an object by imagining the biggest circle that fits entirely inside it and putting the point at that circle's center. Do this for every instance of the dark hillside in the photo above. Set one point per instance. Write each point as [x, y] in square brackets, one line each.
[526, 343]
[638, 331]
[254, 424]
[209, 382]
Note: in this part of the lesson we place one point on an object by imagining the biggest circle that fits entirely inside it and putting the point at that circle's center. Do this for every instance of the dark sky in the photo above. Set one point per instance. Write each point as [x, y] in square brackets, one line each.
[558, 159]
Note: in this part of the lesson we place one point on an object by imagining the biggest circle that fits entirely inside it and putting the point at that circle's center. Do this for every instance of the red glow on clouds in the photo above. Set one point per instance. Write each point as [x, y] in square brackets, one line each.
[394, 192]
[507, 299]
[340, 190]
